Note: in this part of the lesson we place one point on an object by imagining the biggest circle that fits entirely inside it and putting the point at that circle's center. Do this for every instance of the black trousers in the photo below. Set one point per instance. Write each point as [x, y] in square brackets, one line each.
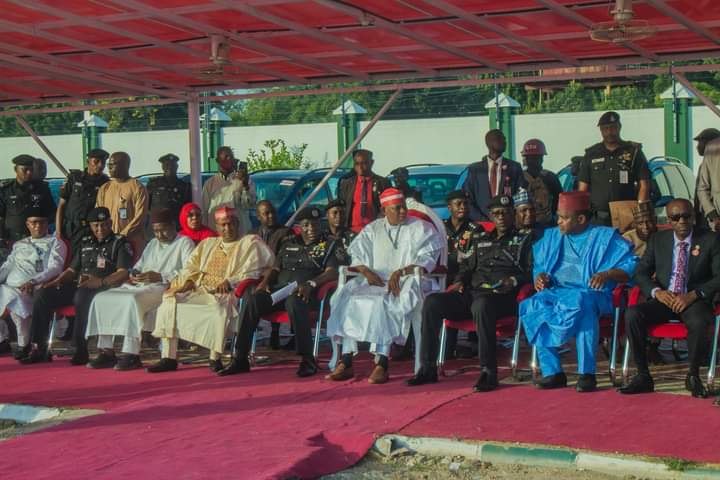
[257, 304]
[47, 299]
[484, 309]
[696, 318]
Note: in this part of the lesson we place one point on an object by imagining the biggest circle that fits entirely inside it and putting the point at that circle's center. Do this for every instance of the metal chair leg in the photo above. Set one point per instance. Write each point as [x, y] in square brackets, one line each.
[441, 351]
[626, 362]
[52, 335]
[534, 367]
[713, 357]
[252, 348]
[318, 325]
[515, 350]
[613, 346]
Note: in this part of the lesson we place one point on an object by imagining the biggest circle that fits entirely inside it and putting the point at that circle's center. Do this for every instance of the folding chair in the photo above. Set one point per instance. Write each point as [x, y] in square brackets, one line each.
[610, 326]
[505, 327]
[673, 330]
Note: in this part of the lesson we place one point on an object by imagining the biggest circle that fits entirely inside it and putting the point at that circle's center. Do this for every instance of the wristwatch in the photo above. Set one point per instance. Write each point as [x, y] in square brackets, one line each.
[312, 283]
[699, 293]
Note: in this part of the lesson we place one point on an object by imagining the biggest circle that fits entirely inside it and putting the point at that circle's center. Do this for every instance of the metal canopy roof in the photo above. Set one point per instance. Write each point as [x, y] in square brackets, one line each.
[70, 50]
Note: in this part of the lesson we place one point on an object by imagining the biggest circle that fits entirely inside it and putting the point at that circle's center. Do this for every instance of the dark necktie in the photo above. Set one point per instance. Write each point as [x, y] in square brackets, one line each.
[493, 179]
[680, 268]
[363, 197]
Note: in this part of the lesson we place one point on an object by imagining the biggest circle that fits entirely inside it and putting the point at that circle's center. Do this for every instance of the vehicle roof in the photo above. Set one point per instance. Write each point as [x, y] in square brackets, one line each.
[453, 168]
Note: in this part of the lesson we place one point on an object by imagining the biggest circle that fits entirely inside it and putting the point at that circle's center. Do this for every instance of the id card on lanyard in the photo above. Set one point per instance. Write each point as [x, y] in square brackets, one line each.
[101, 262]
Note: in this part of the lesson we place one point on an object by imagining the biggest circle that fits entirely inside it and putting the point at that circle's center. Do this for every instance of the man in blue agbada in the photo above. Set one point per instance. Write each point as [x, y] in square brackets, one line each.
[576, 266]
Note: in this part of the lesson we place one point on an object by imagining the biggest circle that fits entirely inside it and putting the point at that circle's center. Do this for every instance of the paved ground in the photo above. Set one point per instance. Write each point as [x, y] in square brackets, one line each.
[417, 467]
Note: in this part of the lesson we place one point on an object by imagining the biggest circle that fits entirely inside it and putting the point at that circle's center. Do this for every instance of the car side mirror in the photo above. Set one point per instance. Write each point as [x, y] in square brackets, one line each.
[663, 201]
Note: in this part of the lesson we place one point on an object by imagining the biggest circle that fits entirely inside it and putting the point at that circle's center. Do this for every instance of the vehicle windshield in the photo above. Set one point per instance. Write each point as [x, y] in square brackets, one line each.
[434, 187]
[274, 189]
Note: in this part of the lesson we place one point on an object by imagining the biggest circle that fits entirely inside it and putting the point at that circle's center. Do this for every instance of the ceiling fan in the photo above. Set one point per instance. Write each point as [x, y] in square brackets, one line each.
[624, 27]
[219, 58]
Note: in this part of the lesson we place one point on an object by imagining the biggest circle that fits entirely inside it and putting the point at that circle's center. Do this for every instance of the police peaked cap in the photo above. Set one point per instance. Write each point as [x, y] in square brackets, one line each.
[169, 157]
[98, 153]
[338, 202]
[501, 201]
[309, 213]
[98, 214]
[24, 160]
[608, 118]
[456, 195]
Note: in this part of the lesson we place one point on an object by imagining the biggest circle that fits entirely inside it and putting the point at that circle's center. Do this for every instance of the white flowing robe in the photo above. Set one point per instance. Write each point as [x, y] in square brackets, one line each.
[202, 317]
[129, 309]
[219, 191]
[19, 268]
[366, 313]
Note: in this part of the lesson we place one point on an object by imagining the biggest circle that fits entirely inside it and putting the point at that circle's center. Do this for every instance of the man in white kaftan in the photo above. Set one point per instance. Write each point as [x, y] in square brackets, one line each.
[200, 303]
[33, 261]
[129, 309]
[379, 305]
[230, 187]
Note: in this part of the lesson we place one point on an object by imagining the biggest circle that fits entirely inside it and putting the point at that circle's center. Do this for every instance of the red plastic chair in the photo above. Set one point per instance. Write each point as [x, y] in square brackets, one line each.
[323, 295]
[673, 330]
[610, 328]
[506, 327]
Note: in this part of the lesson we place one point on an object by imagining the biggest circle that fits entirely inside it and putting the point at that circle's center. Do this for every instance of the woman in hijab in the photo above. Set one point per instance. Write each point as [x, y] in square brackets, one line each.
[191, 224]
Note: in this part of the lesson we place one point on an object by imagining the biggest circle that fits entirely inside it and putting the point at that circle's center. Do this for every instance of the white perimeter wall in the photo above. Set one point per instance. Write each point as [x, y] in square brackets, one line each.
[394, 142]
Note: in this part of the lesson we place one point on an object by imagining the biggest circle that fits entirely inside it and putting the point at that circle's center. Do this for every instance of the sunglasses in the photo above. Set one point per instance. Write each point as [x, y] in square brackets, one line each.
[680, 216]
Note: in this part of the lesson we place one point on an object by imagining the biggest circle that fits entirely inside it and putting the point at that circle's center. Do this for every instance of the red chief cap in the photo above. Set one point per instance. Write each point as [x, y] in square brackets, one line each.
[391, 196]
[574, 201]
[224, 212]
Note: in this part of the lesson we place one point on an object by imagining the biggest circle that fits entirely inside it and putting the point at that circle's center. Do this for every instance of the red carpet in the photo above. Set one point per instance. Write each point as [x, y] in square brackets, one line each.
[269, 424]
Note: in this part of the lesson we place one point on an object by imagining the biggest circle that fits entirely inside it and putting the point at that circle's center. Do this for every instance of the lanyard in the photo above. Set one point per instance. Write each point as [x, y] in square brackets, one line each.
[397, 235]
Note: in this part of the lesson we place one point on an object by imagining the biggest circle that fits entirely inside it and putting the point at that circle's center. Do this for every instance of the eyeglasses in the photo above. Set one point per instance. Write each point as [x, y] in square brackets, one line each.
[680, 216]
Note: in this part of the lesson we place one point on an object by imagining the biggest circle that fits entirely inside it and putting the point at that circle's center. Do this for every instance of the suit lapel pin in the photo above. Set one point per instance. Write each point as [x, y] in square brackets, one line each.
[696, 251]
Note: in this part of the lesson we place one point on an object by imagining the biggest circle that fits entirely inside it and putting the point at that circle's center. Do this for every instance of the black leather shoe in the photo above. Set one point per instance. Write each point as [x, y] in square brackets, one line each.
[307, 368]
[215, 365]
[36, 356]
[486, 383]
[164, 365]
[237, 365]
[641, 383]
[103, 360]
[694, 385]
[128, 362]
[586, 383]
[424, 375]
[5, 347]
[559, 380]
[22, 352]
[80, 357]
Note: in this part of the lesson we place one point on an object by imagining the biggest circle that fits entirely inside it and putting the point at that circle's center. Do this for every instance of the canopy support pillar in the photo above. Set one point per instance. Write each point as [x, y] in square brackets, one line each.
[347, 152]
[26, 126]
[196, 162]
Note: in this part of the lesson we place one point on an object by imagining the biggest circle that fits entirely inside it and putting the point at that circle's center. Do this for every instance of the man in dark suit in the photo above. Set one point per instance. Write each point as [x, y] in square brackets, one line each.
[493, 175]
[679, 274]
[361, 191]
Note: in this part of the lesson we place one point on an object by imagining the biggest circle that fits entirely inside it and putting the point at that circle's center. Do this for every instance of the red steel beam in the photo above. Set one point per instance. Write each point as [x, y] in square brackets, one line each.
[693, 26]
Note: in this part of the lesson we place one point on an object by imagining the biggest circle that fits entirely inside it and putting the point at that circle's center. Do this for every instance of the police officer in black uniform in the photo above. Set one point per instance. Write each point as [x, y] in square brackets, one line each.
[613, 170]
[78, 196]
[20, 195]
[307, 259]
[104, 261]
[169, 191]
[485, 288]
[336, 230]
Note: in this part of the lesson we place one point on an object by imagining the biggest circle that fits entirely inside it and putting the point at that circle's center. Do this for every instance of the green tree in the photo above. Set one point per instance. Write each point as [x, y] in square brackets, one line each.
[277, 155]
[626, 98]
[574, 98]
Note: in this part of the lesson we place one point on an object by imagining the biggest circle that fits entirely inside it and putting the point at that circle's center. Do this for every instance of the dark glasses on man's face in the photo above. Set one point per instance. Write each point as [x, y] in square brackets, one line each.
[680, 216]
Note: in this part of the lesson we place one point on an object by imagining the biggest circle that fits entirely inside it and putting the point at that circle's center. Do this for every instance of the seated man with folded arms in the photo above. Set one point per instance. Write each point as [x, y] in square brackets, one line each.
[33, 261]
[379, 305]
[336, 230]
[680, 275]
[129, 309]
[576, 266]
[484, 289]
[200, 303]
[309, 259]
[102, 262]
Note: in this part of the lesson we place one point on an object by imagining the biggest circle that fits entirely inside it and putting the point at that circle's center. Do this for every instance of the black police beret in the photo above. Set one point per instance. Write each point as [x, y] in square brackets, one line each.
[35, 212]
[98, 153]
[501, 201]
[169, 157]
[24, 160]
[608, 118]
[456, 194]
[309, 213]
[98, 214]
[338, 202]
